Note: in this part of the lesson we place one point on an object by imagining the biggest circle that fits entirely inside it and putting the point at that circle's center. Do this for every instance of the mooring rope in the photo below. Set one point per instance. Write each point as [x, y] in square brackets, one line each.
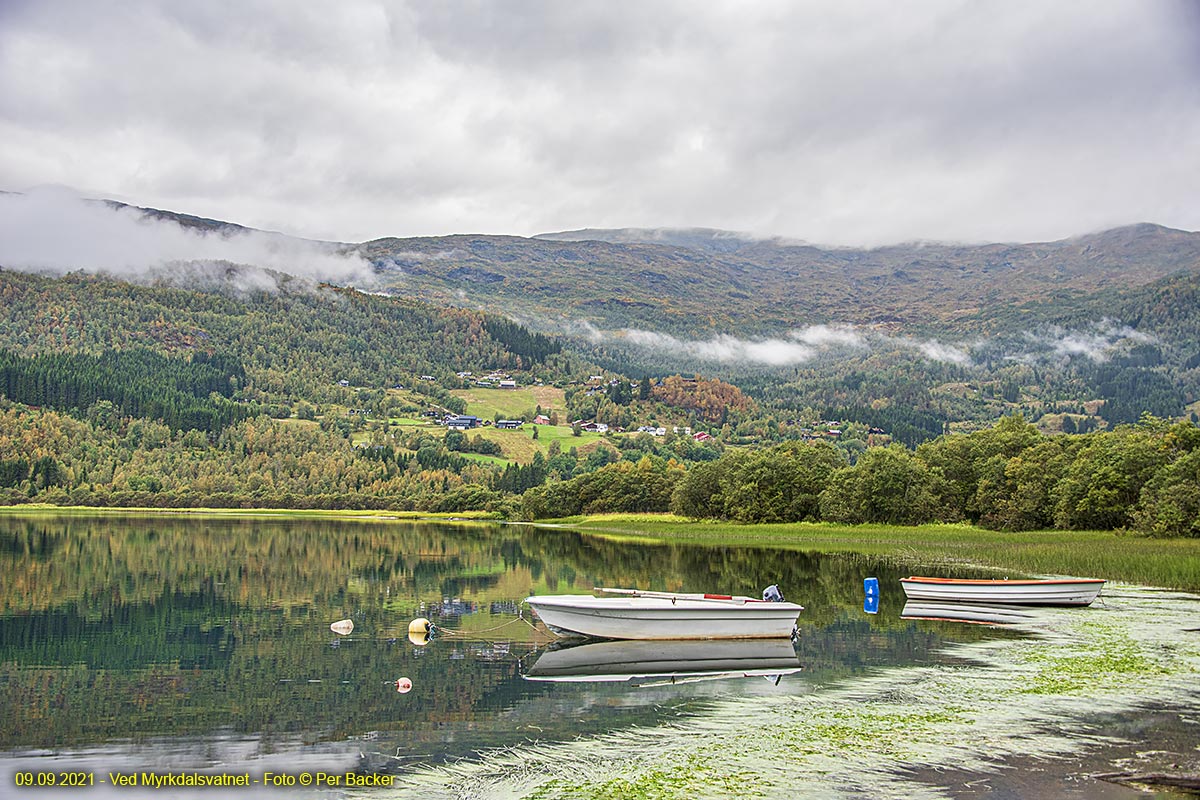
[451, 633]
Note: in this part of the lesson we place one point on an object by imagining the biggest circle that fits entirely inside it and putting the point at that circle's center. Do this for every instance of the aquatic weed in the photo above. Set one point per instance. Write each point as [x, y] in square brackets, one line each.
[1000, 698]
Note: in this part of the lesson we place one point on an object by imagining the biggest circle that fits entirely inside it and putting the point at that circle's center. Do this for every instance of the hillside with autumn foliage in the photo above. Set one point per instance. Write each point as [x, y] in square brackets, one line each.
[570, 373]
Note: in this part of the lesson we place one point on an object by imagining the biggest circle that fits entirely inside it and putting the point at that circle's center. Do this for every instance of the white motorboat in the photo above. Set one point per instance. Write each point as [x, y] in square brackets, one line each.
[1049, 592]
[679, 661]
[634, 614]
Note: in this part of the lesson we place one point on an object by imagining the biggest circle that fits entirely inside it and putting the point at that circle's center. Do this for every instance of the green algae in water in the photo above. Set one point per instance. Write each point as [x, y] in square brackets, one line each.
[1005, 698]
[1105, 656]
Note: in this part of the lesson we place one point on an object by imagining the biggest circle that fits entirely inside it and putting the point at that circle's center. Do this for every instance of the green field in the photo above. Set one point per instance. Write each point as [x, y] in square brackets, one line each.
[512, 403]
[411, 421]
[486, 459]
[519, 445]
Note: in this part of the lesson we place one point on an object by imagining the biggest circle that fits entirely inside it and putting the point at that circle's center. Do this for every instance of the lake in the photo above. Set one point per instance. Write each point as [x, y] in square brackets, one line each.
[190, 644]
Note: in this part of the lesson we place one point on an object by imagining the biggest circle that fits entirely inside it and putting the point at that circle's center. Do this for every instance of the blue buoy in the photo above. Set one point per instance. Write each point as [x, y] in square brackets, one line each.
[871, 595]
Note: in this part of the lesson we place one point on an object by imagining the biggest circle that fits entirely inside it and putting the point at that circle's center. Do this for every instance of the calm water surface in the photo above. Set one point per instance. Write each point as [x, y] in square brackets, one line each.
[152, 643]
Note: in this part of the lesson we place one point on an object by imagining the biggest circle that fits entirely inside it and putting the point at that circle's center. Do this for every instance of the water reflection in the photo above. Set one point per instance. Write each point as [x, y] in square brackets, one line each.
[121, 634]
[980, 613]
[635, 661]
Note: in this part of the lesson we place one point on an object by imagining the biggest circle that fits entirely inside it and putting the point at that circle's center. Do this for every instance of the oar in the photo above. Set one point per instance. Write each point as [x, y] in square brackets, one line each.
[677, 595]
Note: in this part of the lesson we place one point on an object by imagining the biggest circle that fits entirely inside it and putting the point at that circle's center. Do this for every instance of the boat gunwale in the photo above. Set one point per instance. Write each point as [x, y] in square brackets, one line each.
[593, 603]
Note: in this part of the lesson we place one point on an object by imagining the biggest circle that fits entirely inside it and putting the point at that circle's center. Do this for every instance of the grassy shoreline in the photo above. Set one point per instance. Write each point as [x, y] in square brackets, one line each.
[42, 509]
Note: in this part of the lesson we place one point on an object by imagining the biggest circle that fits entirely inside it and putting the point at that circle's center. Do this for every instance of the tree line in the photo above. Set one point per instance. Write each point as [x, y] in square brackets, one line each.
[185, 393]
[1143, 477]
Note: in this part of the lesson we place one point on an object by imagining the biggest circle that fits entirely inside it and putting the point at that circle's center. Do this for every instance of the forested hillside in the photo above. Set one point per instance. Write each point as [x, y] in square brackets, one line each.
[301, 394]
[296, 343]
[118, 394]
[186, 394]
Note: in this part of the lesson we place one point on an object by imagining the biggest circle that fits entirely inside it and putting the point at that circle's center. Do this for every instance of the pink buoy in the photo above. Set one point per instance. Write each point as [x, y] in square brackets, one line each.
[403, 685]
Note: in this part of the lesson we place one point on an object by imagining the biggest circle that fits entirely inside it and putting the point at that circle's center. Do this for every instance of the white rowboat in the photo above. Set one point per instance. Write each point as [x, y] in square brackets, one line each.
[635, 614]
[1053, 592]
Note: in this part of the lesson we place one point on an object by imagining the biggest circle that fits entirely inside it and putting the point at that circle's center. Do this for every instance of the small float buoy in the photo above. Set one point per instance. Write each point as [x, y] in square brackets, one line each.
[403, 685]
[419, 631]
[342, 627]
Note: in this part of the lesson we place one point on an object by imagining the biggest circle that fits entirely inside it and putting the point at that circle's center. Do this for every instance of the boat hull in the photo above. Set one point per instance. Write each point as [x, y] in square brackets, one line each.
[1064, 592]
[663, 618]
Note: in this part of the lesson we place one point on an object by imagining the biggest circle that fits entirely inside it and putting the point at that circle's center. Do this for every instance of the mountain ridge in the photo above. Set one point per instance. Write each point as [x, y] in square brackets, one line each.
[703, 234]
[762, 286]
[702, 282]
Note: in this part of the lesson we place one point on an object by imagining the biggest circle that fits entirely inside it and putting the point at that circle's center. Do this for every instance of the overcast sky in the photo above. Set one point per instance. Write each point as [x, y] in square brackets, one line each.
[838, 122]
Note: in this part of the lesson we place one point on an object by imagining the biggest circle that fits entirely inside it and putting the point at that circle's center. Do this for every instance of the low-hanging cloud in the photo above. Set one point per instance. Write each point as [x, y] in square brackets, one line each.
[829, 336]
[941, 352]
[397, 262]
[724, 348]
[1098, 343]
[798, 346]
[56, 231]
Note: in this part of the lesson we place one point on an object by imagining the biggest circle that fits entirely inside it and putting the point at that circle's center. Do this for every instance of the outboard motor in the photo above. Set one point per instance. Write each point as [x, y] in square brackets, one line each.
[771, 594]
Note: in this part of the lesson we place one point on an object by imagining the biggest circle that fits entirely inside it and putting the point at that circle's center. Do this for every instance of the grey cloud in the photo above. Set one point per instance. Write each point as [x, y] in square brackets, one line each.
[844, 123]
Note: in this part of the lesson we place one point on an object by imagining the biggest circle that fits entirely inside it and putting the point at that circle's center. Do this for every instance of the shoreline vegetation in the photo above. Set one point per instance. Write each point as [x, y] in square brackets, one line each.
[46, 509]
[1117, 557]
[1114, 556]
[1141, 478]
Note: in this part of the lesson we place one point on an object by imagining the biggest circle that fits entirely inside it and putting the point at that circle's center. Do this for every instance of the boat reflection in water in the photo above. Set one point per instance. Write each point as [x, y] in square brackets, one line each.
[675, 661]
[978, 613]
